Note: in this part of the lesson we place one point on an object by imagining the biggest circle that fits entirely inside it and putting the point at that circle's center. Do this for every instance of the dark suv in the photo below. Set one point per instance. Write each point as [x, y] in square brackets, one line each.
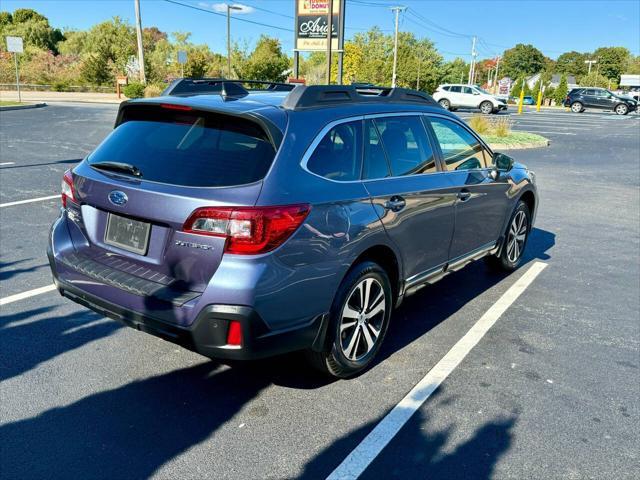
[242, 224]
[580, 99]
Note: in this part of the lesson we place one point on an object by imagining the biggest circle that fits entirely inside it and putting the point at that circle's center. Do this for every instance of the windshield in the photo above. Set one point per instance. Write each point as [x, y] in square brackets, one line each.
[195, 149]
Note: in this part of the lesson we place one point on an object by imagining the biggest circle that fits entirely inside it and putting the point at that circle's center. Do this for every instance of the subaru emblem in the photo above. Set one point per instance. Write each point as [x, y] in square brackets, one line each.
[118, 198]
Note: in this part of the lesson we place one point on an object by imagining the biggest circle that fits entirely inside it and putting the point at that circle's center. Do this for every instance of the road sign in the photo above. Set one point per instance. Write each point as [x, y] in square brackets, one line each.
[14, 44]
[182, 57]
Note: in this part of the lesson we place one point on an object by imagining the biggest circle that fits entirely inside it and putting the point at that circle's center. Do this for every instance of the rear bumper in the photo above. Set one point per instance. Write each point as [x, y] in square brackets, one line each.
[208, 333]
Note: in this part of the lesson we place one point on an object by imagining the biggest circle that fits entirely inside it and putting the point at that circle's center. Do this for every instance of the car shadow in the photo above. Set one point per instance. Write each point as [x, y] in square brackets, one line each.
[420, 451]
[7, 274]
[27, 342]
[130, 431]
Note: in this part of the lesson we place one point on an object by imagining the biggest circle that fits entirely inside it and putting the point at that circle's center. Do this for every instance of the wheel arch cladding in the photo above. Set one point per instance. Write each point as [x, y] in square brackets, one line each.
[386, 258]
[530, 201]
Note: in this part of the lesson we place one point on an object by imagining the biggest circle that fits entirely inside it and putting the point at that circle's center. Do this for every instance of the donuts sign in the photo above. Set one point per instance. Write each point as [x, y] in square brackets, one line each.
[312, 25]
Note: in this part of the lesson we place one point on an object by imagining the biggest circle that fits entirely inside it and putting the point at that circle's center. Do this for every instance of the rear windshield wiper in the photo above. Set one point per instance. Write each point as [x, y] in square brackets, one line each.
[118, 167]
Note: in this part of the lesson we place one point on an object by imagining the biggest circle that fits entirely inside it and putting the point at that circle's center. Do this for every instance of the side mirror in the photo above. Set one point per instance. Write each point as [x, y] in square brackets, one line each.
[502, 162]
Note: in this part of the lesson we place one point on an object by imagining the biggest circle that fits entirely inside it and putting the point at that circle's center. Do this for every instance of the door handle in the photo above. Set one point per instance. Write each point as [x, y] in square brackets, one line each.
[464, 195]
[395, 203]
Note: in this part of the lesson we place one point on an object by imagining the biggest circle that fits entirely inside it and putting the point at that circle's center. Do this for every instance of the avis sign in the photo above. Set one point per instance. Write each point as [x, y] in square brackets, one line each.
[312, 25]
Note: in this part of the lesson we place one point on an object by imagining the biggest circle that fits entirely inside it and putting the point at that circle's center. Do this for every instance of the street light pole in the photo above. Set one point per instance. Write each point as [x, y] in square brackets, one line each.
[329, 38]
[590, 62]
[229, 8]
[394, 77]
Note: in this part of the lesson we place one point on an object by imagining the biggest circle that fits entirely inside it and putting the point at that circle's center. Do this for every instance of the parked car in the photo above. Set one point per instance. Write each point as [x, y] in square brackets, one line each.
[454, 96]
[246, 224]
[580, 99]
[528, 100]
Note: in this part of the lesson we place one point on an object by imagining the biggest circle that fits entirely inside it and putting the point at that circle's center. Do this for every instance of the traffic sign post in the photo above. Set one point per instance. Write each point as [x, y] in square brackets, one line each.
[182, 59]
[15, 46]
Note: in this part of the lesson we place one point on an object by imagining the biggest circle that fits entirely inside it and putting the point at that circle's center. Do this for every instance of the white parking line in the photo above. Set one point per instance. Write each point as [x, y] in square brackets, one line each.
[27, 294]
[7, 163]
[31, 200]
[362, 456]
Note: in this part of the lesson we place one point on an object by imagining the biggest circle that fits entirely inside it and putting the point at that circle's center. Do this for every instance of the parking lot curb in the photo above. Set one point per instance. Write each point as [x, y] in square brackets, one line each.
[520, 146]
[22, 107]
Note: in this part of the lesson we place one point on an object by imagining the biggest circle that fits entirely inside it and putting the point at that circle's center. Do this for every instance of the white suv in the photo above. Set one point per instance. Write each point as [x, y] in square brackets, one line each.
[454, 96]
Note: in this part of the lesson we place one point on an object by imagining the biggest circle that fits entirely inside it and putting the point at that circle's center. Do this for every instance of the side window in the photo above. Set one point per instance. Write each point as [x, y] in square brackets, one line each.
[467, 90]
[338, 156]
[460, 149]
[455, 89]
[446, 88]
[407, 145]
[375, 161]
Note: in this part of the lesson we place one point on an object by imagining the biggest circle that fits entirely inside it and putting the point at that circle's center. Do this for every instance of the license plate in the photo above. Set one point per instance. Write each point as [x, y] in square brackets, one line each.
[128, 234]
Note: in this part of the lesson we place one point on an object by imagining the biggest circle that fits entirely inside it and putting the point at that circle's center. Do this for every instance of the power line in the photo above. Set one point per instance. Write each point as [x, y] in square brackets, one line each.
[193, 7]
[444, 31]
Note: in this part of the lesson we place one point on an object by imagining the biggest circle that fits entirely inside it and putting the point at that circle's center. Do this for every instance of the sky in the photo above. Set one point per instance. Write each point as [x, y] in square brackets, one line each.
[552, 26]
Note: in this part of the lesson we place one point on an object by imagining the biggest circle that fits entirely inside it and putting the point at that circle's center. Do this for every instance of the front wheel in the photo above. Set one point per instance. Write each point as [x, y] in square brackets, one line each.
[486, 107]
[622, 109]
[359, 319]
[509, 256]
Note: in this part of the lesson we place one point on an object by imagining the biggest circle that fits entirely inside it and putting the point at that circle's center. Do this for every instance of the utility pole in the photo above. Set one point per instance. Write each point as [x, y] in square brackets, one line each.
[590, 62]
[329, 39]
[394, 77]
[229, 8]
[472, 70]
[496, 77]
[143, 78]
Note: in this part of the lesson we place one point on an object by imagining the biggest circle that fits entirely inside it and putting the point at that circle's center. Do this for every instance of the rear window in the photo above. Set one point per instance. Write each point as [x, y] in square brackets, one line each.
[194, 149]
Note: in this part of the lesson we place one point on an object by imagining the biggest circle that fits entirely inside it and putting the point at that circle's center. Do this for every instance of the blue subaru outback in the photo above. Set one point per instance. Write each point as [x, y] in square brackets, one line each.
[242, 222]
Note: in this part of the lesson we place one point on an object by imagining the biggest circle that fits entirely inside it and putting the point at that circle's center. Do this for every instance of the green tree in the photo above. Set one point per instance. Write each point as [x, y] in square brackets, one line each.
[266, 62]
[562, 90]
[33, 27]
[536, 89]
[455, 71]
[572, 63]
[522, 60]
[612, 61]
[595, 79]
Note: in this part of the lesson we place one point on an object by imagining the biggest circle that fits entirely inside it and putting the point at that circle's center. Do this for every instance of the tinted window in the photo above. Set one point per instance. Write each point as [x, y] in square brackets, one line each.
[406, 144]
[467, 90]
[447, 88]
[460, 149]
[589, 92]
[455, 89]
[188, 148]
[338, 156]
[375, 160]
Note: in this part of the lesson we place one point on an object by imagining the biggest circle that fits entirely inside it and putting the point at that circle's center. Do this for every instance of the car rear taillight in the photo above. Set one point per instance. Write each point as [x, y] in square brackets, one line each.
[248, 230]
[67, 191]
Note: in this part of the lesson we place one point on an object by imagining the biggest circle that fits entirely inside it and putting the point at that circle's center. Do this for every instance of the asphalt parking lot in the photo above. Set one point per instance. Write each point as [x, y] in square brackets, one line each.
[551, 391]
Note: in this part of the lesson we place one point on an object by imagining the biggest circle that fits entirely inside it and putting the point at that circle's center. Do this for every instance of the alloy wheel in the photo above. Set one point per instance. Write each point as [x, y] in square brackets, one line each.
[576, 108]
[486, 108]
[362, 319]
[517, 236]
[444, 104]
[621, 109]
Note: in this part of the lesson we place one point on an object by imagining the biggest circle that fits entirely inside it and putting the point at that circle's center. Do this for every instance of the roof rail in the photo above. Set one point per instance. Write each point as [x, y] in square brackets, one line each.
[222, 86]
[316, 96]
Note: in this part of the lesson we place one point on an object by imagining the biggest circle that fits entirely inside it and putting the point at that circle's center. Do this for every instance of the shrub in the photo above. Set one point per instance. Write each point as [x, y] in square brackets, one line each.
[153, 91]
[479, 123]
[60, 86]
[134, 90]
[501, 126]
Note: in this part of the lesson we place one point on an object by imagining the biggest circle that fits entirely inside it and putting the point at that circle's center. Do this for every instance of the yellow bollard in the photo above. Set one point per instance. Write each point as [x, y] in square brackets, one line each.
[521, 100]
[539, 100]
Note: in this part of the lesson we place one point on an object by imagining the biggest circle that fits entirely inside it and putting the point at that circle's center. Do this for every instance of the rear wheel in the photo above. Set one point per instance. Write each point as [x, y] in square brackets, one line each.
[444, 103]
[486, 107]
[621, 109]
[509, 256]
[359, 320]
[577, 107]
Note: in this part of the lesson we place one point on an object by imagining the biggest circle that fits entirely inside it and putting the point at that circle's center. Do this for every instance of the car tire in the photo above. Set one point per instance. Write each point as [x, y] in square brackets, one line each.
[577, 107]
[621, 109]
[486, 107]
[509, 257]
[444, 103]
[352, 344]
